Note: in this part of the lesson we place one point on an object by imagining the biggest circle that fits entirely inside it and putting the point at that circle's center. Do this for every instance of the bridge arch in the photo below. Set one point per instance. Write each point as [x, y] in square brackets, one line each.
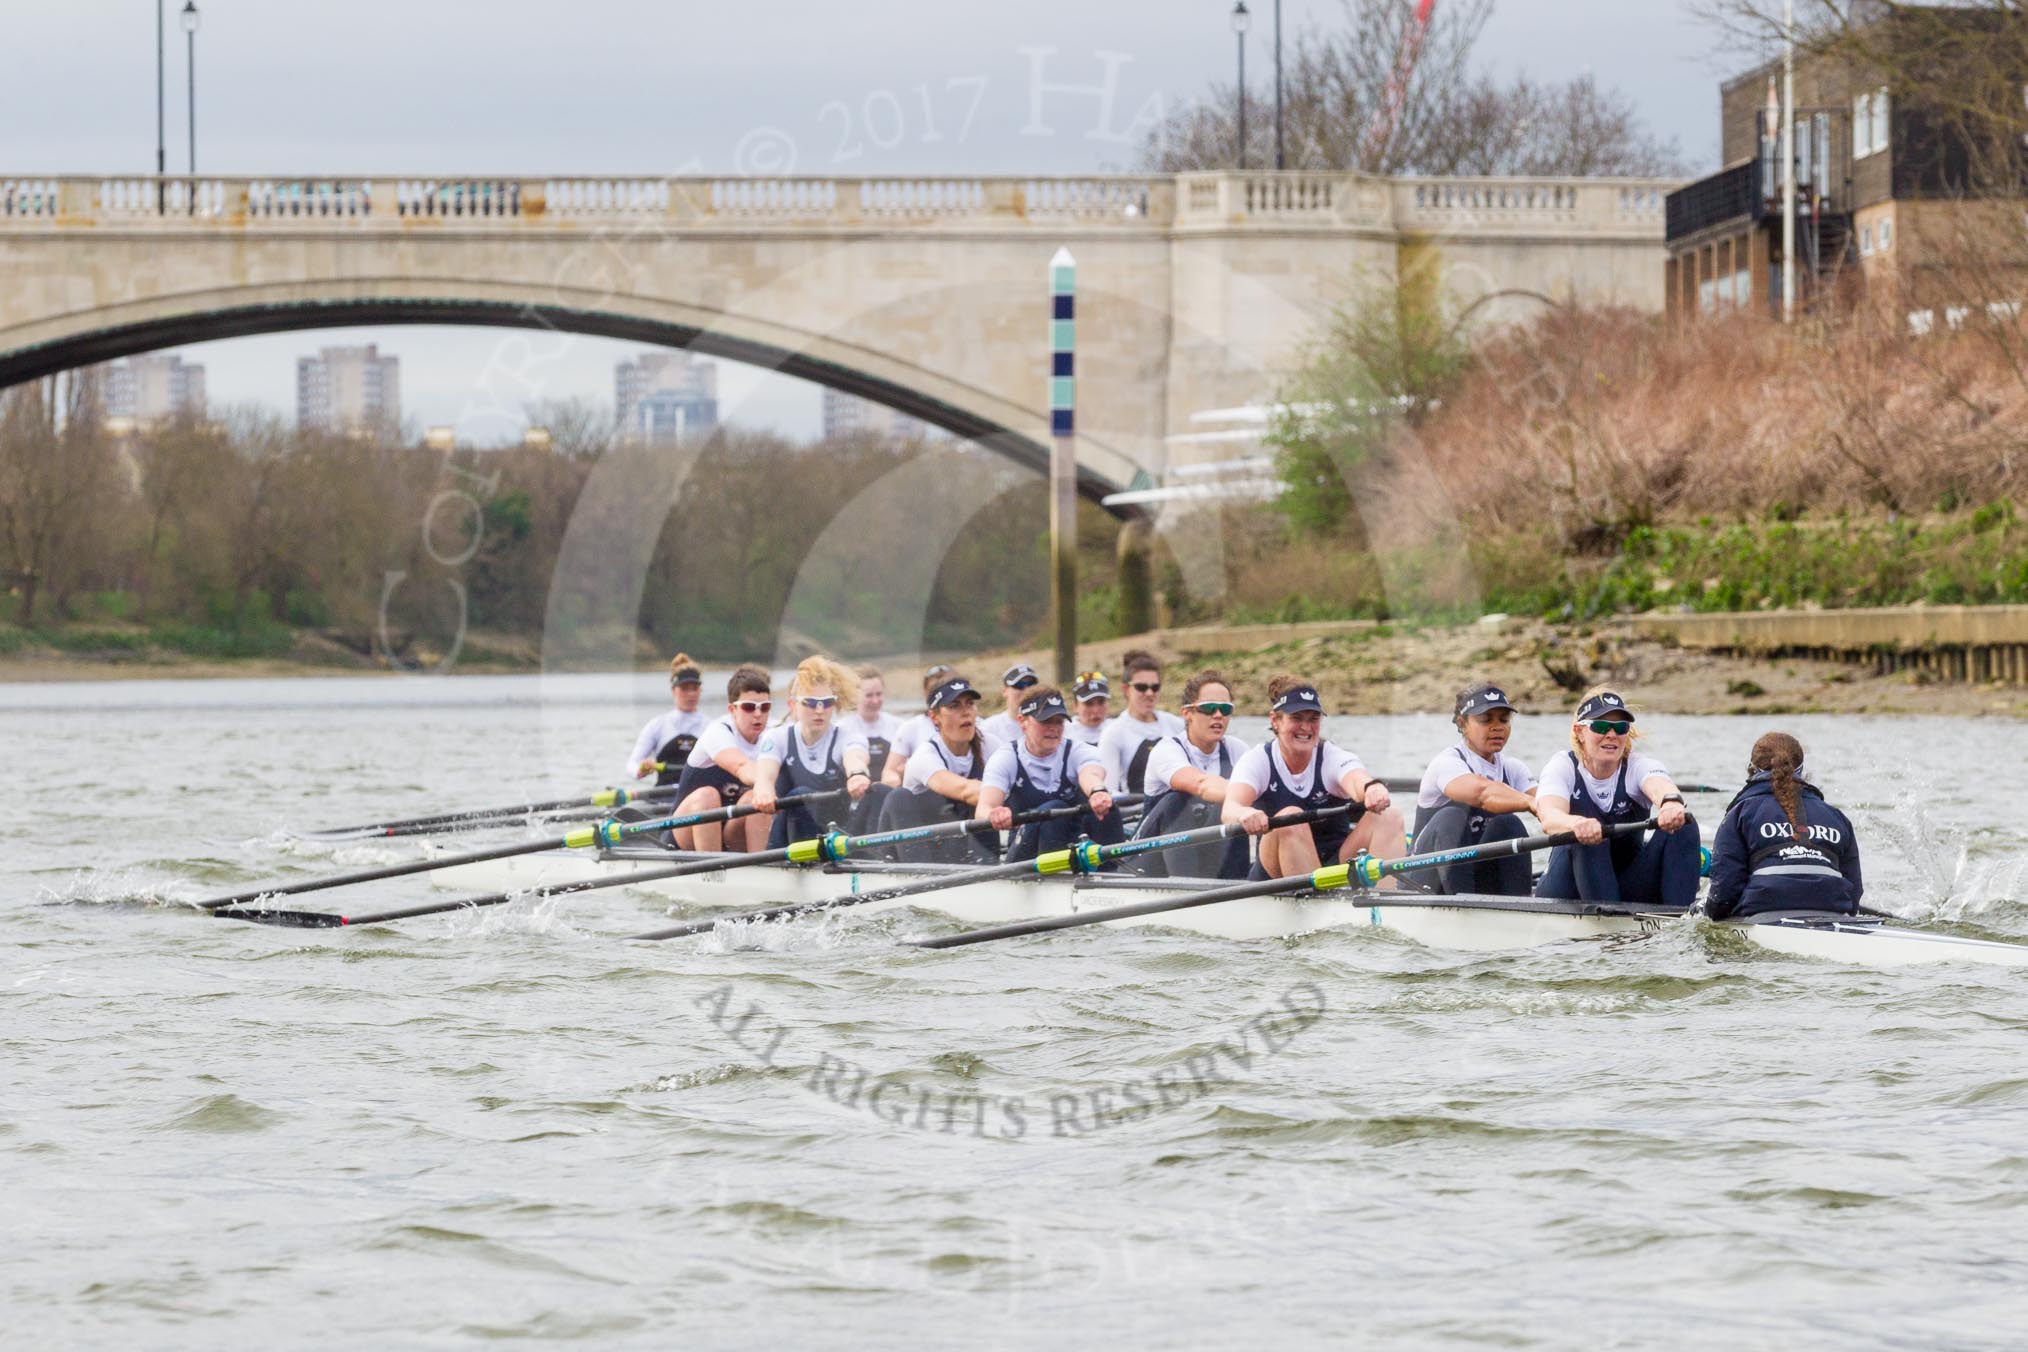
[106, 333]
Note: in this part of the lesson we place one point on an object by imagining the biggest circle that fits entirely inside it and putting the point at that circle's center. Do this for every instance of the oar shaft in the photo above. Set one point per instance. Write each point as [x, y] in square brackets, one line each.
[1037, 867]
[804, 851]
[1356, 872]
[608, 798]
[584, 836]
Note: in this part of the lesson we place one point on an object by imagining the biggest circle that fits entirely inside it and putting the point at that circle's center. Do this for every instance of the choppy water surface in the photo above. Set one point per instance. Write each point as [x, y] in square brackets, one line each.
[510, 1125]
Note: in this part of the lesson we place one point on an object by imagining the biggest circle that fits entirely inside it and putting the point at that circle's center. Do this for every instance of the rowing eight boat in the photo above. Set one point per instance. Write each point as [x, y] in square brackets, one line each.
[1465, 923]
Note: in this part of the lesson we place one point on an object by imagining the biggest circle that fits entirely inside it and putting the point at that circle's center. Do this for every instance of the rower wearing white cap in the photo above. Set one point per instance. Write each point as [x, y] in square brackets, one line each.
[1042, 769]
[1297, 770]
[1187, 781]
[664, 745]
[1015, 683]
[914, 730]
[1473, 794]
[1600, 781]
[1126, 740]
[1093, 694]
[941, 780]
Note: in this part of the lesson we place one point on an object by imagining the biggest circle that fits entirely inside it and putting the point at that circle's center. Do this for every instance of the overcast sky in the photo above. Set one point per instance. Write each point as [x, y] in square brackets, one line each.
[675, 86]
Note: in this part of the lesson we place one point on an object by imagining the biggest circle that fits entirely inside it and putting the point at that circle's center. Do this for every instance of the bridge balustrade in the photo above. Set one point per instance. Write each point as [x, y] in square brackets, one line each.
[1458, 206]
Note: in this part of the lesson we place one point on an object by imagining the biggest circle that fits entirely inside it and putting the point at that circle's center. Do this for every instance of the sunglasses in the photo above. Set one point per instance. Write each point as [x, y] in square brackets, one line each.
[1146, 688]
[1605, 726]
[754, 706]
[1213, 707]
[818, 701]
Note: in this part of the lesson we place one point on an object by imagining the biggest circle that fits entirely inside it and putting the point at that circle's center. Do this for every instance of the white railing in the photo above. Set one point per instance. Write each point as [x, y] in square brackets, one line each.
[1147, 202]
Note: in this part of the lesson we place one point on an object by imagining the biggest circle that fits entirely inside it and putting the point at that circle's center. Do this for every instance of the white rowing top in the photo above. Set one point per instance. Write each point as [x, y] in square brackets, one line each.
[722, 736]
[1173, 755]
[1123, 736]
[661, 728]
[1041, 769]
[1335, 761]
[1455, 762]
[1559, 780]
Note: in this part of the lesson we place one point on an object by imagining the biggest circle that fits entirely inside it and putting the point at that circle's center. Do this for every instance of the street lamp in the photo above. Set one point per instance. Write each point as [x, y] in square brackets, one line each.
[161, 153]
[1241, 21]
[1281, 161]
[190, 35]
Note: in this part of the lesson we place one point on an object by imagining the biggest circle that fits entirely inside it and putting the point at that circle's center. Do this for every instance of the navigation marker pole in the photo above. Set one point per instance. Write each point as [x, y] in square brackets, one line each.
[1063, 461]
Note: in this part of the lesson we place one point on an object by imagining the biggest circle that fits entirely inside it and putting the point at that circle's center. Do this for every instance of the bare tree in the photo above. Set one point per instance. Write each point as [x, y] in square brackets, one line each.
[578, 427]
[55, 462]
[1347, 106]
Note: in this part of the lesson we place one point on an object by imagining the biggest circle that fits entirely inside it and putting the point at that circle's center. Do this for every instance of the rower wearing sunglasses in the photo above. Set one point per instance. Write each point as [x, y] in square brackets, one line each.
[941, 781]
[1042, 769]
[1602, 781]
[816, 752]
[1126, 740]
[723, 766]
[1015, 683]
[1296, 770]
[1094, 696]
[1474, 793]
[1187, 780]
[914, 731]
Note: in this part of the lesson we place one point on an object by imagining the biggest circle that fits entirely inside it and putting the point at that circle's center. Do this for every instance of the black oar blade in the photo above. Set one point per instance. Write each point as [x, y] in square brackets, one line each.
[285, 919]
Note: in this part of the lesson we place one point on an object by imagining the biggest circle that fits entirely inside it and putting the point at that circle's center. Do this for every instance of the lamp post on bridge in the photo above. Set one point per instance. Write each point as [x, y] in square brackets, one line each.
[190, 35]
[1281, 160]
[1241, 21]
[161, 147]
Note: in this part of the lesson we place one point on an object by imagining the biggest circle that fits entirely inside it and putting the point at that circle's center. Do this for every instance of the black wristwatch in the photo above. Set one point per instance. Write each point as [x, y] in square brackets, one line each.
[1671, 798]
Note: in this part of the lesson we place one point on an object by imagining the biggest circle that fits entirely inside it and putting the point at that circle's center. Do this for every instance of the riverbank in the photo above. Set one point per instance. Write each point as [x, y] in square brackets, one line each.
[1365, 668]
[1360, 667]
[136, 653]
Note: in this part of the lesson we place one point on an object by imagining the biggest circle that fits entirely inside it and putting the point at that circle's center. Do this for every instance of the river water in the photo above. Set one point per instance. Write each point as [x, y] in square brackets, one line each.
[509, 1125]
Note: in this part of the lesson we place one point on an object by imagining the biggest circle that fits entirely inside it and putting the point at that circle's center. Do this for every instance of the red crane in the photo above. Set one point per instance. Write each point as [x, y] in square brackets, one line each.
[1416, 29]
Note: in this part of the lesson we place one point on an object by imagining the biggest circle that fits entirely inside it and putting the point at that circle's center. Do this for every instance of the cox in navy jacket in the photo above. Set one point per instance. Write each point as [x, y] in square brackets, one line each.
[1758, 865]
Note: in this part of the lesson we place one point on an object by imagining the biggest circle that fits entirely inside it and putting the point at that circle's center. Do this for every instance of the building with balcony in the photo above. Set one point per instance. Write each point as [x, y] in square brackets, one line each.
[1876, 169]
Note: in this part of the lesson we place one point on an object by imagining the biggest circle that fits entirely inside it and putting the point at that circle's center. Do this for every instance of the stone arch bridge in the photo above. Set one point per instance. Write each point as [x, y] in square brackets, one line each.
[928, 294]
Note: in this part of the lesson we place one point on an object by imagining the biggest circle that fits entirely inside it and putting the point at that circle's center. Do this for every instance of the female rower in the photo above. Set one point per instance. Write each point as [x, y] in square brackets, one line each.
[1187, 781]
[1474, 794]
[723, 766]
[816, 752]
[871, 721]
[941, 780]
[914, 731]
[1603, 781]
[664, 745]
[1015, 683]
[1781, 847]
[1041, 769]
[1094, 696]
[1127, 738]
[1296, 770]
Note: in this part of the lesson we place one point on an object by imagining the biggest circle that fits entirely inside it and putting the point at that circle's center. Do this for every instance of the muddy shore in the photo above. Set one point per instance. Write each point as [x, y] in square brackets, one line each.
[1374, 670]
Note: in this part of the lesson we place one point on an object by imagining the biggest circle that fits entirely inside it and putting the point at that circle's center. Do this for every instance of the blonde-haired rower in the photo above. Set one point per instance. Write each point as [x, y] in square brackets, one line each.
[1603, 781]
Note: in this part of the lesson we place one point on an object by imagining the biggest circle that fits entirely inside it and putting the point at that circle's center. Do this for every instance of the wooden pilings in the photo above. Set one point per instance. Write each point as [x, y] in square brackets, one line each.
[1978, 645]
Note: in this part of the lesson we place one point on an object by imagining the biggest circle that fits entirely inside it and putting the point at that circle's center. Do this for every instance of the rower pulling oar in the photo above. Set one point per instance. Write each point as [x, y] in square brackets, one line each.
[604, 834]
[822, 850]
[1084, 857]
[1364, 871]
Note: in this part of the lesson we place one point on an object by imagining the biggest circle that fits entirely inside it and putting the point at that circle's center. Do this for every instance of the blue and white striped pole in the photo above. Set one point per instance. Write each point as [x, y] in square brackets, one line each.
[1063, 461]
